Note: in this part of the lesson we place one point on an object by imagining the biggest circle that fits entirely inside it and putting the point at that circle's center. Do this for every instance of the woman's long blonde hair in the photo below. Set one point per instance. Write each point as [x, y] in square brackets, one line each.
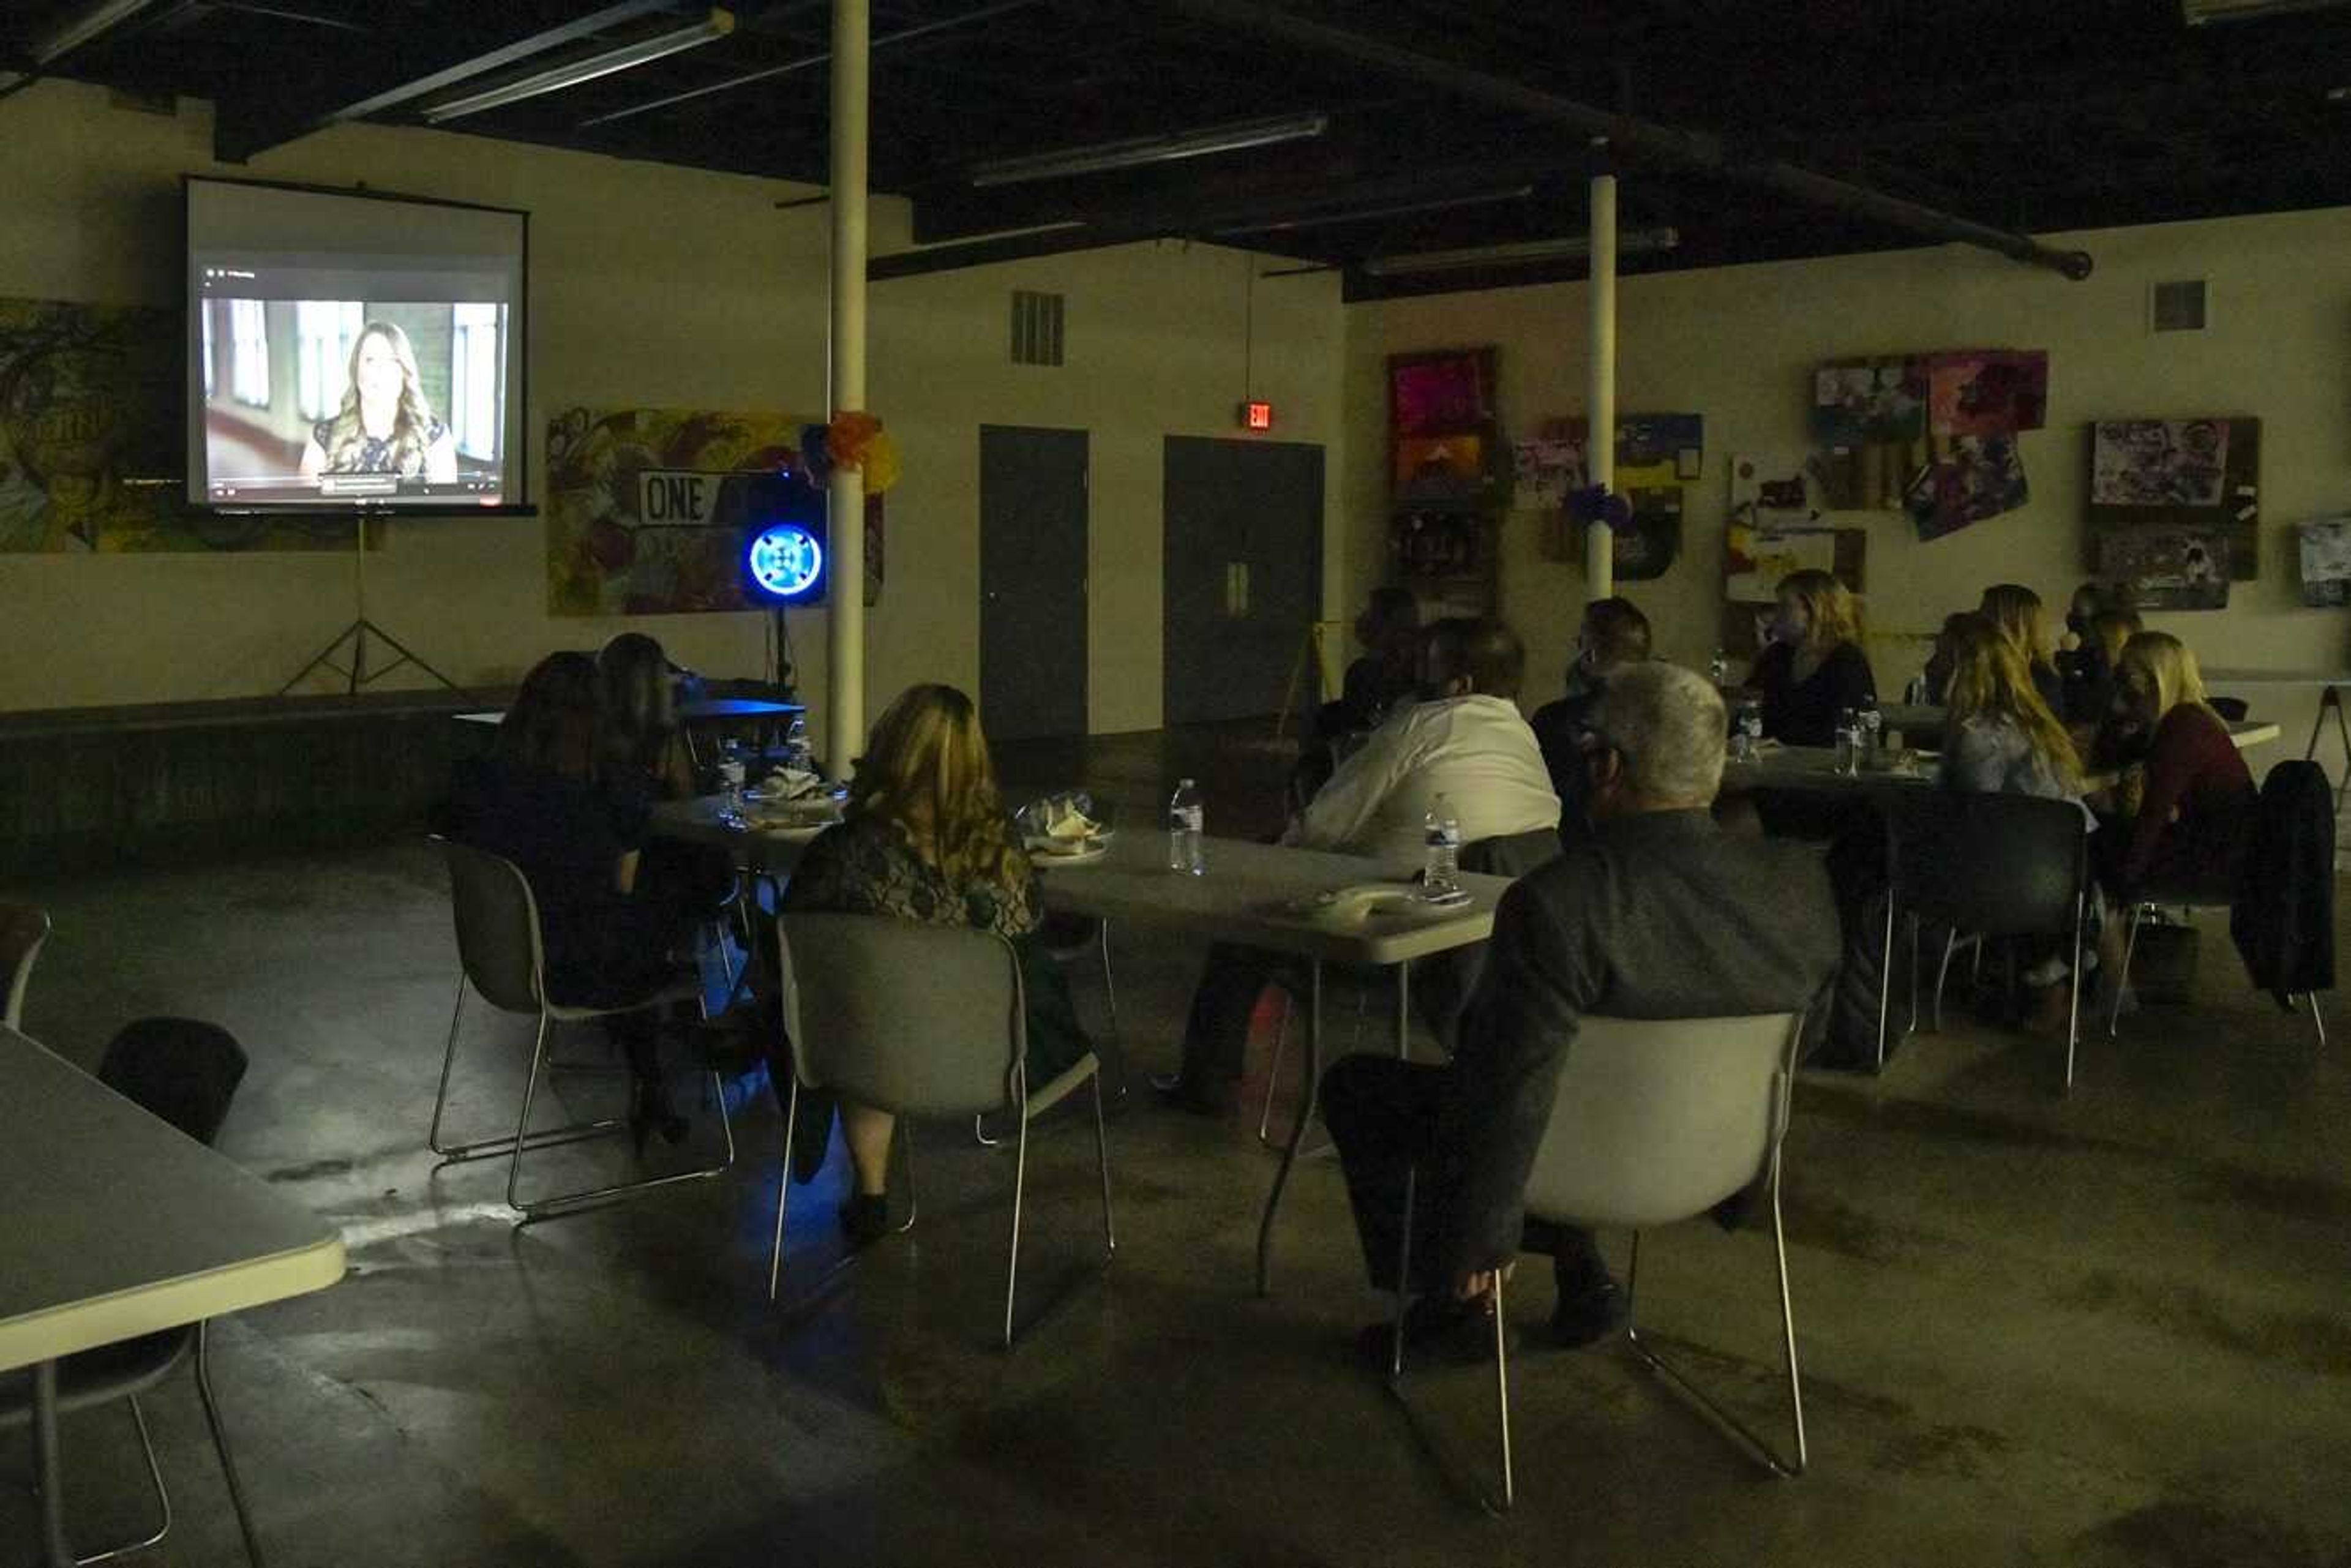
[2016, 610]
[1832, 613]
[2170, 668]
[1990, 679]
[926, 768]
[412, 425]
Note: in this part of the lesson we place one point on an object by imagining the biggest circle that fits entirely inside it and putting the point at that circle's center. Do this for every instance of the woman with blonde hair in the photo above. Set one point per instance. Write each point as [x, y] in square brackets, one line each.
[925, 837]
[384, 425]
[2002, 736]
[1812, 668]
[2195, 814]
[2016, 610]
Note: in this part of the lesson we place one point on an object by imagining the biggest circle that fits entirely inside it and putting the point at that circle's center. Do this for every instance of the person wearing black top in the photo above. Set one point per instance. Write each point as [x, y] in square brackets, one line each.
[1615, 635]
[547, 798]
[2016, 610]
[1387, 677]
[1813, 668]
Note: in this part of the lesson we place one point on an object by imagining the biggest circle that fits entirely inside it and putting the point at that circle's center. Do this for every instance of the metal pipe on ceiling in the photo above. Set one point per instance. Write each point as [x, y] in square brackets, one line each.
[1632, 137]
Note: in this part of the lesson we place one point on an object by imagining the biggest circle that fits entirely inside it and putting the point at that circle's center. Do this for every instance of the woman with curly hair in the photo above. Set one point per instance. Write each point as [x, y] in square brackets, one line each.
[925, 837]
[1813, 668]
[384, 425]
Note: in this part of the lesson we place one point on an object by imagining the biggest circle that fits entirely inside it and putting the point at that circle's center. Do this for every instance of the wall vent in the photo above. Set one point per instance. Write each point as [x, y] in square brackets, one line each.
[1036, 327]
[2179, 306]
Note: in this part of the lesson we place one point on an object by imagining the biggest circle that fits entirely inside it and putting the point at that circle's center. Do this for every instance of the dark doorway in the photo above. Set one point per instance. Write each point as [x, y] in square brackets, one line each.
[1032, 581]
[1243, 574]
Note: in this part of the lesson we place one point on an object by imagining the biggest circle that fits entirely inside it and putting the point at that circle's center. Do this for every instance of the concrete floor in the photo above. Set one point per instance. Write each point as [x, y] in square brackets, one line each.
[2109, 1329]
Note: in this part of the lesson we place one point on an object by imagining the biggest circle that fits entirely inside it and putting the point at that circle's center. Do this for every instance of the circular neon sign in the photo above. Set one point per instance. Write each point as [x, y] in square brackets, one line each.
[786, 561]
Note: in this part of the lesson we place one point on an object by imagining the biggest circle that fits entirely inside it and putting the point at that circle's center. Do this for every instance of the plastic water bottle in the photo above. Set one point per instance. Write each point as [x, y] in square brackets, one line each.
[1717, 669]
[1187, 820]
[1871, 734]
[1848, 741]
[732, 772]
[1441, 862]
[1747, 734]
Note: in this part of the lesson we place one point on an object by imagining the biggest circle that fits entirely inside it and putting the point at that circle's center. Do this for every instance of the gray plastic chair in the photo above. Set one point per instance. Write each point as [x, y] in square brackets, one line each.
[185, 1074]
[1655, 1121]
[23, 929]
[922, 1021]
[503, 957]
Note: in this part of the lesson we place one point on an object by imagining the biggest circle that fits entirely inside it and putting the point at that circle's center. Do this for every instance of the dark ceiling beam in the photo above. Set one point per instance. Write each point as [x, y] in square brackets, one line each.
[241, 130]
[1629, 136]
[90, 26]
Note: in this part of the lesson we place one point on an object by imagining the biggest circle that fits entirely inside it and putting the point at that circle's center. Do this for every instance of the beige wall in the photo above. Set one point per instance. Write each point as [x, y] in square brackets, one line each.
[650, 286]
[1735, 344]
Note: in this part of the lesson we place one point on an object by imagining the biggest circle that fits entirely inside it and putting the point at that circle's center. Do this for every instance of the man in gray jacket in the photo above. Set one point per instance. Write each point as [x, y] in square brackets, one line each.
[1660, 915]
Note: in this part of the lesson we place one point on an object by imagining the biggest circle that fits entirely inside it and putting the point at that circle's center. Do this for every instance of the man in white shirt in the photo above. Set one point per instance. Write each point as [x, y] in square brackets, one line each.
[1465, 740]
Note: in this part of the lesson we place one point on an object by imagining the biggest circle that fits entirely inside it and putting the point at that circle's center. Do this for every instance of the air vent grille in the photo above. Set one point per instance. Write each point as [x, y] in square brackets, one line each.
[2179, 307]
[1036, 327]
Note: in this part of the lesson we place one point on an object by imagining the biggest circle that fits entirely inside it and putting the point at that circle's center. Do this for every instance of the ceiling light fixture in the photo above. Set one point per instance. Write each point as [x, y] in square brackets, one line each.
[587, 67]
[2197, 12]
[1524, 253]
[1143, 149]
[97, 19]
[1389, 209]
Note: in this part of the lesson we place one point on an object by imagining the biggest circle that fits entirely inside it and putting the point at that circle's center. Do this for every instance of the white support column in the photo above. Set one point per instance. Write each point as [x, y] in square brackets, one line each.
[1600, 539]
[844, 714]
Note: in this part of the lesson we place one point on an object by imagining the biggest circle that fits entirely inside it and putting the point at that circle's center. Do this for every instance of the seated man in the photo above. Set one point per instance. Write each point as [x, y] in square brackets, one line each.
[1613, 636]
[1659, 914]
[1464, 741]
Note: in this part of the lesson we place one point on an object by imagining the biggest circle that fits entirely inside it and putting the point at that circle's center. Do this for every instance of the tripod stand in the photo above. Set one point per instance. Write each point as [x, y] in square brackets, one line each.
[356, 634]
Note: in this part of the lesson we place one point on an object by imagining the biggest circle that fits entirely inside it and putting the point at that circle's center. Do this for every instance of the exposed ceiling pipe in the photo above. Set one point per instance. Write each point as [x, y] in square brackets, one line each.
[1631, 137]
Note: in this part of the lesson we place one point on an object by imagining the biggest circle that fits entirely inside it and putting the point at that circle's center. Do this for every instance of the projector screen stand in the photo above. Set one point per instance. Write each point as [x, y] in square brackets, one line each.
[355, 637]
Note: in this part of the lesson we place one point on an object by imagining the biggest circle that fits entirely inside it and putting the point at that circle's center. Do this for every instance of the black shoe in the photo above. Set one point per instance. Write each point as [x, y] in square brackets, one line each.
[649, 1111]
[865, 1218]
[1200, 1095]
[1437, 1331]
[1592, 1306]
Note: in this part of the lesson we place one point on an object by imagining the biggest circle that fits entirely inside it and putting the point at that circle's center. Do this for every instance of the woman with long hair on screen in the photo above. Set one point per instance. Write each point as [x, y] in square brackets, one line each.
[384, 425]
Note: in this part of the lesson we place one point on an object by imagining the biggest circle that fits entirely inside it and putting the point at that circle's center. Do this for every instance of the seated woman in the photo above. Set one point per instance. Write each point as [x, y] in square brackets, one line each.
[1812, 668]
[2090, 705]
[645, 750]
[547, 798]
[1933, 687]
[2016, 610]
[2194, 818]
[2084, 663]
[925, 838]
[1376, 684]
[2002, 738]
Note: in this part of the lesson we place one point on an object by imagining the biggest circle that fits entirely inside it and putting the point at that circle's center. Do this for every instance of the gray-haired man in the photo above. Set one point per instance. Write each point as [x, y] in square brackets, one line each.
[1658, 914]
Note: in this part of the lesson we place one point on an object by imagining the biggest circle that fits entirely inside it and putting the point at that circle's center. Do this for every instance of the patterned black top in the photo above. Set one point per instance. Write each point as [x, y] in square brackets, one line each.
[865, 866]
[374, 453]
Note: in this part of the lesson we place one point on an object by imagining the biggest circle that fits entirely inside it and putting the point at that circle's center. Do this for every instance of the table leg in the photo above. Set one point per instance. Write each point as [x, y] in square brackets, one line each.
[1306, 1098]
[49, 1472]
[1404, 1011]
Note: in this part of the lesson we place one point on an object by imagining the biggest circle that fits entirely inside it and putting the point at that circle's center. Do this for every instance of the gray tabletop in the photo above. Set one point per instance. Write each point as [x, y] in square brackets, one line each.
[754, 847]
[1249, 896]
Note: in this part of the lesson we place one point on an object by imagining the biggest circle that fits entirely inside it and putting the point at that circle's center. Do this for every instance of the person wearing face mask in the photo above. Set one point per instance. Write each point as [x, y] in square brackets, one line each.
[1465, 740]
[1615, 635]
[1812, 668]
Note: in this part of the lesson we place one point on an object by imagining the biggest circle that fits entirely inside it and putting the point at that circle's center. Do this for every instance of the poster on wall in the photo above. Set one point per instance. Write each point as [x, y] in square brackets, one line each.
[1869, 402]
[2326, 561]
[2201, 474]
[90, 403]
[1987, 392]
[1972, 477]
[646, 509]
[2168, 568]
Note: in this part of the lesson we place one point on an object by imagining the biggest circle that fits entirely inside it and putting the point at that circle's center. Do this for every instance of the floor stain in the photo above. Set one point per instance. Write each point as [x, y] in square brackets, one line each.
[2185, 1534]
[1967, 1452]
[2312, 1341]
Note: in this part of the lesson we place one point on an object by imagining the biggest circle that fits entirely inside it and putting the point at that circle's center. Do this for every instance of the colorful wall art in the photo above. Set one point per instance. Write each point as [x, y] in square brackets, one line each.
[2201, 474]
[648, 508]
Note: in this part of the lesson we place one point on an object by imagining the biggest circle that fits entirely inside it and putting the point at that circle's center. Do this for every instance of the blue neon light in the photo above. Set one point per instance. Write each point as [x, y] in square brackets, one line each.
[786, 561]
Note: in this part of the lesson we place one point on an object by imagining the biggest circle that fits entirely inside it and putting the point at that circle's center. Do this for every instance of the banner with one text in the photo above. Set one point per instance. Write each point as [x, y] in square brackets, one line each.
[647, 508]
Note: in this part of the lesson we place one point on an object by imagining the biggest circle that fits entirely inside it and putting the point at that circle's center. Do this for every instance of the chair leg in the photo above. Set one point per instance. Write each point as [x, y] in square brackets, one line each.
[1019, 1184]
[154, 1480]
[2318, 1019]
[448, 1061]
[1110, 983]
[220, 1443]
[1404, 1275]
[2074, 1003]
[565, 1203]
[1885, 977]
[784, 1188]
[1943, 974]
[2130, 946]
[1503, 1396]
[522, 1126]
[1101, 1159]
[979, 1133]
[1915, 924]
[1274, 1069]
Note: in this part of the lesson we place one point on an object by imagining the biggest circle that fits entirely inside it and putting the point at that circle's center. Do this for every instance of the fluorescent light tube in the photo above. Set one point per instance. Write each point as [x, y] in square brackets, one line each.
[1524, 253]
[1142, 150]
[555, 78]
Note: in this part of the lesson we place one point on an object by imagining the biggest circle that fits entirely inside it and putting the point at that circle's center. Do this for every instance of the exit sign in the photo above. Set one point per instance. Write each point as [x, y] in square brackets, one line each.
[1256, 416]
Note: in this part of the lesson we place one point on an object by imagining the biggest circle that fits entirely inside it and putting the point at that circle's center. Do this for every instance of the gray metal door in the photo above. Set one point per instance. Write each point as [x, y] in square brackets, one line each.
[1243, 574]
[1032, 581]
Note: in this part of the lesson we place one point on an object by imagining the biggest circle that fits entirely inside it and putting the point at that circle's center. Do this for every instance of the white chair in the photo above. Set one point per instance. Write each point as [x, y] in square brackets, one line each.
[502, 955]
[1655, 1121]
[922, 1021]
[23, 929]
